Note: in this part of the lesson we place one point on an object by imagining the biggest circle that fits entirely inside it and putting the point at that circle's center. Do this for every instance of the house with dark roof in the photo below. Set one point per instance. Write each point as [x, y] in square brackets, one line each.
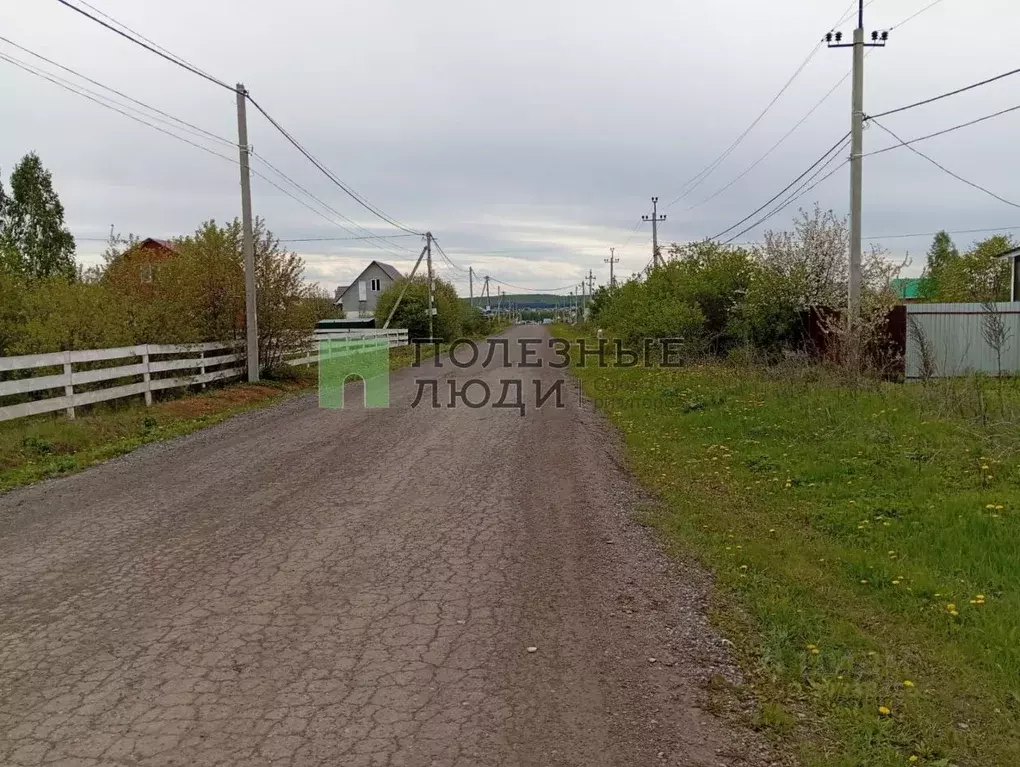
[138, 264]
[360, 297]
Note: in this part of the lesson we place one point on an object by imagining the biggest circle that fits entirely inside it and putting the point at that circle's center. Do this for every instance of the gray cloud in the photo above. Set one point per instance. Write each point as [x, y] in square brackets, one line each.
[528, 136]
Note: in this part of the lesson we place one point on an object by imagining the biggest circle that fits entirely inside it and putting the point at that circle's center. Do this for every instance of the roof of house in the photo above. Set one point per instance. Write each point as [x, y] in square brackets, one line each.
[391, 271]
[162, 243]
[1010, 253]
[907, 287]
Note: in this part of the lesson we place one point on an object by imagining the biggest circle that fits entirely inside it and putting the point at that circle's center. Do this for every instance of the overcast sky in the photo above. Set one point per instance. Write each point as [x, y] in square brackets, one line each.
[528, 136]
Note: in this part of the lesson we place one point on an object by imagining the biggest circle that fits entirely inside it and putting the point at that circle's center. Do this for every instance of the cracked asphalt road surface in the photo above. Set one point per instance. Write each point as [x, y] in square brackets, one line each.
[300, 586]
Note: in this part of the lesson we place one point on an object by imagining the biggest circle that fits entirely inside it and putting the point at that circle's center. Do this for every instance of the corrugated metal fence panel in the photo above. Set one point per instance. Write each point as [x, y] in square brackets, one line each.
[955, 337]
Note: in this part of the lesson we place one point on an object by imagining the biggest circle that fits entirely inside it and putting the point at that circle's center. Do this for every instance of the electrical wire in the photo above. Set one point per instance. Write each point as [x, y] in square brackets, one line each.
[947, 95]
[369, 235]
[932, 234]
[790, 200]
[345, 239]
[937, 133]
[327, 172]
[79, 91]
[695, 181]
[825, 158]
[532, 290]
[98, 99]
[699, 178]
[944, 169]
[774, 147]
[915, 15]
[163, 53]
[173, 59]
[194, 128]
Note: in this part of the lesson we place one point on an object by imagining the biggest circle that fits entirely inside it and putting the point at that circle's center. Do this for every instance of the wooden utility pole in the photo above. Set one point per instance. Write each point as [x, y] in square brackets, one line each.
[432, 306]
[656, 219]
[612, 260]
[248, 247]
[878, 40]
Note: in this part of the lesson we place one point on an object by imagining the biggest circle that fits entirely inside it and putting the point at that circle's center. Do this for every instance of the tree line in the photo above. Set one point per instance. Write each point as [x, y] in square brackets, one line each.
[193, 294]
[722, 297]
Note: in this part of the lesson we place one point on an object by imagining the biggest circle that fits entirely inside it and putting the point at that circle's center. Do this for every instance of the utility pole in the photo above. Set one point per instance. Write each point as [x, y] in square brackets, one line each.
[591, 283]
[250, 313]
[428, 255]
[878, 40]
[612, 260]
[471, 286]
[655, 219]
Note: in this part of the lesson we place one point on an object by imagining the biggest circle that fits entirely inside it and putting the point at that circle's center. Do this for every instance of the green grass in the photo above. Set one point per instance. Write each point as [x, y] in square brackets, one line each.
[840, 525]
[32, 449]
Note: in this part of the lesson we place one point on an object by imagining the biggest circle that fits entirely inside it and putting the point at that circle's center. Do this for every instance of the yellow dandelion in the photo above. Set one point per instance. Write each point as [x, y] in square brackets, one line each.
[884, 711]
[954, 613]
[950, 607]
[895, 583]
[980, 597]
[913, 758]
[907, 683]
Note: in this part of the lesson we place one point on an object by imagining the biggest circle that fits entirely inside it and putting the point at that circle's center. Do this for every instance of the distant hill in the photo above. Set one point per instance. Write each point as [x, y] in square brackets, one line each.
[528, 300]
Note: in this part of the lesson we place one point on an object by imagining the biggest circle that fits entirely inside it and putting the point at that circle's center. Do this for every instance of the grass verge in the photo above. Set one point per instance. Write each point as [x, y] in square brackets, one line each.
[864, 544]
[32, 449]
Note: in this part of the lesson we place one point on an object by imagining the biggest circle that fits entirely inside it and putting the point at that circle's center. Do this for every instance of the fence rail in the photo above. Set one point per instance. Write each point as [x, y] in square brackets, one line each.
[159, 366]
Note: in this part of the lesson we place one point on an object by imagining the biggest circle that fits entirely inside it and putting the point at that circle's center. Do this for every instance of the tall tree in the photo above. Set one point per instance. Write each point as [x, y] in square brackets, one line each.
[33, 238]
[942, 255]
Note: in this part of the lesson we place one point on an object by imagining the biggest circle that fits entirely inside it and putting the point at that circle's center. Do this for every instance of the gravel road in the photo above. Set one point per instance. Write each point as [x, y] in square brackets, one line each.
[300, 586]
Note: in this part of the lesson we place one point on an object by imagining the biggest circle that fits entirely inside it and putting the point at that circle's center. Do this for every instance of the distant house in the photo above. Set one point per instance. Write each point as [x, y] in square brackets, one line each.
[359, 298]
[1014, 275]
[908, 289]
[138, 264]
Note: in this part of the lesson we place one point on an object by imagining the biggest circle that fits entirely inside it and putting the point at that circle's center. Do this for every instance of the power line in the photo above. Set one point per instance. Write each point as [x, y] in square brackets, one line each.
[790, 200]
[948, 232]
[151, 108]
[952, 231]
[915, 15]
[99, 99]
[328, 173]
[532, 290]
[774, 147]
[944, 169]
[938, 133]
[946, 95]
[345, 239]
[825, 158]
[79, 91]
[325, 205]
[695, 181]
[706, 172]
[151, 48]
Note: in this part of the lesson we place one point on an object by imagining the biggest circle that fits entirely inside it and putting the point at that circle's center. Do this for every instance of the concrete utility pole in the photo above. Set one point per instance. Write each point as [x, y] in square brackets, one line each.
[655, 219]
[612, 260]
[878, 40]
[471, 286]
[428, 255]
[251, 315]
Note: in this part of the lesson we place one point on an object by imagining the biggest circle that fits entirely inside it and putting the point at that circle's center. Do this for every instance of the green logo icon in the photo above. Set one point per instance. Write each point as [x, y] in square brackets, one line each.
[341, 359]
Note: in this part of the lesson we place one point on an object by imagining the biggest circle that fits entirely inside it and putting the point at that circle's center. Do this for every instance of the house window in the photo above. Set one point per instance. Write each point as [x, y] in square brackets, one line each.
[146, 272]
[376, 285]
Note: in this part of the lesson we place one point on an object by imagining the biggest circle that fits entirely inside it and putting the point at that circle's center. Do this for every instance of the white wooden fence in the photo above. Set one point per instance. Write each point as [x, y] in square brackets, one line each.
[191, 363]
